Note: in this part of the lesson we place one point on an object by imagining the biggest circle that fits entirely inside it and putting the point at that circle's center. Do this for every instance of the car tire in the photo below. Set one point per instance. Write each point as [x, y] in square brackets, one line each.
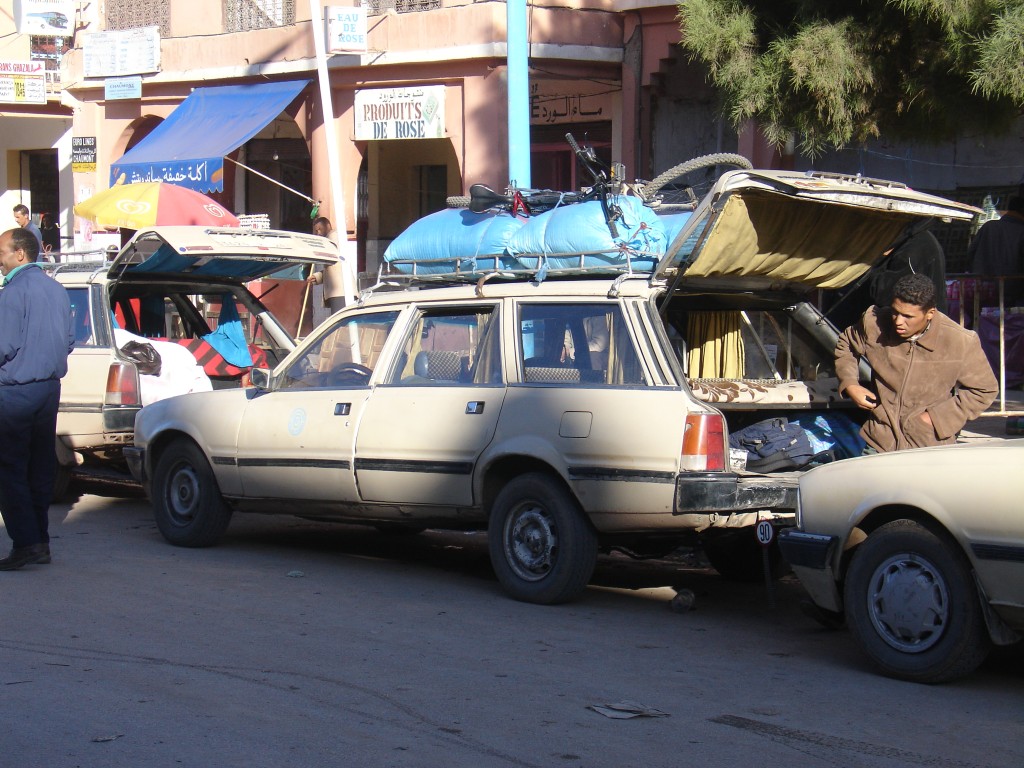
[737, 555]
[936, 632]
[543, 550]
[187, 504]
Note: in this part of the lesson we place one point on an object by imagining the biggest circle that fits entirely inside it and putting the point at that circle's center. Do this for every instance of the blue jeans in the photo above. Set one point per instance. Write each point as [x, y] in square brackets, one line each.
[28, 461]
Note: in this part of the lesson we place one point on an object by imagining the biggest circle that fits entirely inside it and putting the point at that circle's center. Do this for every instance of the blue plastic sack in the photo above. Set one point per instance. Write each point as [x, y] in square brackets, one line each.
[432, 245]
[577, 235]
[229, 337]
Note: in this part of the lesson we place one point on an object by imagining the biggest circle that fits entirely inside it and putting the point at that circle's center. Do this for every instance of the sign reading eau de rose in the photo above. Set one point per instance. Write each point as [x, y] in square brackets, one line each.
[400, 113]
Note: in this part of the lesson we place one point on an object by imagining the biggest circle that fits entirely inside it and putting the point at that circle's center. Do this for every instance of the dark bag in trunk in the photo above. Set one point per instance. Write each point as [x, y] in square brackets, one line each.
[773, 445]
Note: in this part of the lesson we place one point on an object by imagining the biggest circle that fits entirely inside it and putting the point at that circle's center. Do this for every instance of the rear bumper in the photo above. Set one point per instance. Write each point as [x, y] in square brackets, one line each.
[729, 492]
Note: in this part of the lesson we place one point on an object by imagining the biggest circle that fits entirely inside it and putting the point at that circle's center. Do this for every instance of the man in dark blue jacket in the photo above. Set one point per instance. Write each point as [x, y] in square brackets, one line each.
[36, 337]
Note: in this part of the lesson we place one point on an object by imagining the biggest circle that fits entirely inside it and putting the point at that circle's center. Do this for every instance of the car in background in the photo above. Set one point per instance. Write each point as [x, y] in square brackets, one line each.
[173, 284]
[922, 552]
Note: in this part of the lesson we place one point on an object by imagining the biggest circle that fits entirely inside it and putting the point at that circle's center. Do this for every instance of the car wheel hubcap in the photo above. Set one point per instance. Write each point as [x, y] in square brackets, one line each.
[183, 494]
[908, 603]
[531, 543]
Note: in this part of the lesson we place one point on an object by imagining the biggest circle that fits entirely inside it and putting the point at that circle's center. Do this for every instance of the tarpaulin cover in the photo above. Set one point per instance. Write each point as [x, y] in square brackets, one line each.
[433, 244]
[188, 148]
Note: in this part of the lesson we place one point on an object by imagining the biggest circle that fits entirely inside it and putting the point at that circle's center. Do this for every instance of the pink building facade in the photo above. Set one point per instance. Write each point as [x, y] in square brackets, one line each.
[606, 71]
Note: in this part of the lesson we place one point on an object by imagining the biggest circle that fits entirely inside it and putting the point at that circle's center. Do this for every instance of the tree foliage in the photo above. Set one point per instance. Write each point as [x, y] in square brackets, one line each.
[829, 73]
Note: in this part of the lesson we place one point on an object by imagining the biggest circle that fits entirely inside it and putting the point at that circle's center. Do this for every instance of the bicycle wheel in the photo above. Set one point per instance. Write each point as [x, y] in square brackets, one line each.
[457, 201]
[674, 175]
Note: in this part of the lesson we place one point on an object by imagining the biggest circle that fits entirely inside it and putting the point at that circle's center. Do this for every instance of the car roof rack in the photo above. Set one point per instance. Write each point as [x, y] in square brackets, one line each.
[400, 274]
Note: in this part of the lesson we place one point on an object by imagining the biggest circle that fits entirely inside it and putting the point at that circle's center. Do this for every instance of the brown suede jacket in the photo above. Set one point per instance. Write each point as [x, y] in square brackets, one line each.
[944, 372]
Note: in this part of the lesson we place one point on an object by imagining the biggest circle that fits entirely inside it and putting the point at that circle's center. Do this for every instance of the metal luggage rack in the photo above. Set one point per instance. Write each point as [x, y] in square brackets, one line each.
[91, 265]
[465, 270]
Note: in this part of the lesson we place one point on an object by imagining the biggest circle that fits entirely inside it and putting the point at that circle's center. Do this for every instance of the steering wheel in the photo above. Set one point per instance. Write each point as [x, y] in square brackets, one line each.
[348, 373]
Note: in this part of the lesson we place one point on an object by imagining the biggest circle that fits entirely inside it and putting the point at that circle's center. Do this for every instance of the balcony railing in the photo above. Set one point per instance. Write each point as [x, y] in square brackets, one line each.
[986, 305]
[379, 7]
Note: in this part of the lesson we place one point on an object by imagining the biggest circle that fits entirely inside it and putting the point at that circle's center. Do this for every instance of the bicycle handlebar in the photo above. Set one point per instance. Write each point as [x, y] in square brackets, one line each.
[588, 160]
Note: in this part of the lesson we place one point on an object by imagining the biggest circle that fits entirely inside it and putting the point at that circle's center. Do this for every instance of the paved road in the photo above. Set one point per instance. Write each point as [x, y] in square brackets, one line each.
[301, 644]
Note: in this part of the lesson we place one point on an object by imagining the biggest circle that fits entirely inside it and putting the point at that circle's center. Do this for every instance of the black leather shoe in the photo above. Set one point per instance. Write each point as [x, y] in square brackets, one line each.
[21, 556]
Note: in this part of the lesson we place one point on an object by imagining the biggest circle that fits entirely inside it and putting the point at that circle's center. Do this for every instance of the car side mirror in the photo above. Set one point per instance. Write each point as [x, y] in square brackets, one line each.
[260, 378]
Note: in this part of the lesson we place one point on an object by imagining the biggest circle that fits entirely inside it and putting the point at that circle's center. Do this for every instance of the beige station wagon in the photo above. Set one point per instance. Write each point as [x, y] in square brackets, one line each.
[564, 415]
[168, 284]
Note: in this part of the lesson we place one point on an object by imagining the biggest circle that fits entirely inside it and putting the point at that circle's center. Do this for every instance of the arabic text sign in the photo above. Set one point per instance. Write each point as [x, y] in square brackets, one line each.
[122, 52]
[346, 29]
[206, 175]
[22, 82]
[83, 154]
[563, 103]
[400, 113]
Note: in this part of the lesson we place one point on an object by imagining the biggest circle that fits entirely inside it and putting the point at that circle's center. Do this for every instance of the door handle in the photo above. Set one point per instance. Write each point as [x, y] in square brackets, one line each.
[342, 409]
[475, 407]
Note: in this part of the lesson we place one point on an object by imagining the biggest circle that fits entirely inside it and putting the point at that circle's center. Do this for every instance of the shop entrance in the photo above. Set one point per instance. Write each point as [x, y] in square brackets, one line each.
[39, 169]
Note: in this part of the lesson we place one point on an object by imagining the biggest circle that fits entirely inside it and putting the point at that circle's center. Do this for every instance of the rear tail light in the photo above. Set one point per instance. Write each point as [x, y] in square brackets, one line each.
[703, 442]
[123, 385]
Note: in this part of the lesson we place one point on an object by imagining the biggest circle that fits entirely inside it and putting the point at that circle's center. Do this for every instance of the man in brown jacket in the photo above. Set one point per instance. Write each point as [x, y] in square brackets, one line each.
[930, 376]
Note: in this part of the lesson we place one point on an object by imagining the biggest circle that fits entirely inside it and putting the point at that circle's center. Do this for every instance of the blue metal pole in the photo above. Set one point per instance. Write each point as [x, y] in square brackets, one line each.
[518, 95]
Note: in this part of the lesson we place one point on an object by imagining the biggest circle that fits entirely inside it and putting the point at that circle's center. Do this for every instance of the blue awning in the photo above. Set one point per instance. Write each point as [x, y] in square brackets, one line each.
[188, 147]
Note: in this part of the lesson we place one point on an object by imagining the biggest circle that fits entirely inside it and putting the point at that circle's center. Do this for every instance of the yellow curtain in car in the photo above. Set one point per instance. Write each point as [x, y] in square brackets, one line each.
[715, 345]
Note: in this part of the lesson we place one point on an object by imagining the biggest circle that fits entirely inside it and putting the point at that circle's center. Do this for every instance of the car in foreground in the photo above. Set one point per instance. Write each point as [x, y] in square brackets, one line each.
[921, 551]
[566, 405]
[172, 285]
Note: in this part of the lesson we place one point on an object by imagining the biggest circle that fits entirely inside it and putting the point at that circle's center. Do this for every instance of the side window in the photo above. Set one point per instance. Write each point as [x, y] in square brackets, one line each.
[752, 344]
[343, 357]
[577, 343]
[451, 347]
[80, 318]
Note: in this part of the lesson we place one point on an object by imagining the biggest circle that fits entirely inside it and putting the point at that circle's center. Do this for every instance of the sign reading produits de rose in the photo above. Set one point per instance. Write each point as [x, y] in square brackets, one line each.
[400, 113]
[22, 82]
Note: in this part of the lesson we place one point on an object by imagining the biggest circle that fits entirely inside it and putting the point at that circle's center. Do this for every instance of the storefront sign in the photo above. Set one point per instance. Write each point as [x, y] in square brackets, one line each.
[83, 154]
[400, 113]
[45, 17]
[115, 88]
[22, 82]
[124, 52]
[346, 29]
[564, 103]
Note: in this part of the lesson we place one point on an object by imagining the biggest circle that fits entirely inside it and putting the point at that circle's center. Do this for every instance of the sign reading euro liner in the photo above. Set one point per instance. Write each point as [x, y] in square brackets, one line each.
[400, 113]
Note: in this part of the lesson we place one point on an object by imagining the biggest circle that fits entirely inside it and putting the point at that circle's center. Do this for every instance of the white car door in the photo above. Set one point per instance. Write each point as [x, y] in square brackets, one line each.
[297, 438]
[425, 427]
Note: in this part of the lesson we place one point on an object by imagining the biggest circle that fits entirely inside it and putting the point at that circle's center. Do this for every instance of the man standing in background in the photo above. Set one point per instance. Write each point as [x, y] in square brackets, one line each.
[36, 337]
[24, 219]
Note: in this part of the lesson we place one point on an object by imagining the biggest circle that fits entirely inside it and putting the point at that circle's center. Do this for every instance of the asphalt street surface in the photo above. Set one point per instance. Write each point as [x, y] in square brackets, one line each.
[306, 644]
